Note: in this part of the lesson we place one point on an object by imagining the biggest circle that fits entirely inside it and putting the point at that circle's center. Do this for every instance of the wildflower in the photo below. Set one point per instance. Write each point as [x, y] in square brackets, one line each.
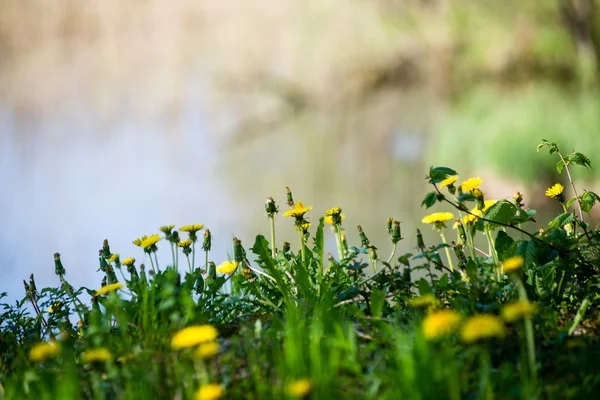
[96, 355]
[298, 210]
[438, 219]
[113, 258]
[227, 267]
[185, 243]
[518, 310]
[138, 242]
[271, 208]
[303, 227]
[191, 228]
[193, 336]
[513, 264]
[166, 229]
[207, 243]
[211, 391]
[451, 180]
[482, 327]
[150, 241]
[440, 323]
[299, 388]
[471, 184]
[556, 192]
[207, 350]
[129, 261]
[44, 351]
[109, 288]
[396, 233]
[329, 219]
[424, 301]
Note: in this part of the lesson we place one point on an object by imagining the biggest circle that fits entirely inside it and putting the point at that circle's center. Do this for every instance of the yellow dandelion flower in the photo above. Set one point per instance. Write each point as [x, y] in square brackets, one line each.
[207, 350]
[166, 229]
[211, 391]
[333, 211]
[128, 261]
[299, 388]
[55, 307]
[298, 210]
[227, 267]
[125, 358]
[185, 243]
[513, 264]
[150, 241]
[113, 258]
[437, 217]
[482, 327]
[138, 242]
[109, 288]
[44, 351]
[96, 355]
[555, 191]
[471, 184]
[451, 180]
[518, 310]
[329, 219]
[440, 323]
[425, 301]
[191, 228]
[193, 336]
[303, 226]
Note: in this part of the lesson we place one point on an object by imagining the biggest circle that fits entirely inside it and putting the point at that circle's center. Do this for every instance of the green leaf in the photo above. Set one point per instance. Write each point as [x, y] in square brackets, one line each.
[561, 220]
[504, 245]
[424, 287]
[430, 199]
[377, 302]
[319, 242]
[560, 166]
[466, 197]
[438, 174]
[527, 250]
[588, 199]
[263, 252]
[348, 294]
[580, 159]
[570, 202]
[502, 212]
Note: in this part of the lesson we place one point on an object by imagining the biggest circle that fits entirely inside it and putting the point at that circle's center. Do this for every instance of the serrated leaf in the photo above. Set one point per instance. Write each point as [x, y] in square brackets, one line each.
[580, 159]
[527, 250]
[430, 199]
[560, 166]
[504, 245]
[438, 174]
[466, 197]
[319, 242]
[501, 212]
[561, 220]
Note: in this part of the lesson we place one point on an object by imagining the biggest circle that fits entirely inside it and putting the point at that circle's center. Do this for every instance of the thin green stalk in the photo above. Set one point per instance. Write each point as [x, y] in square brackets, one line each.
[580, 312]
[395, 245]
[152, 263]
[206, 260]
[189, 264]
[173, 254]
[528, 335]
[301, 233]
[493, 252]
[156, 259]
[193, 253]
[273, 252]
[338, 241]
[447, 250]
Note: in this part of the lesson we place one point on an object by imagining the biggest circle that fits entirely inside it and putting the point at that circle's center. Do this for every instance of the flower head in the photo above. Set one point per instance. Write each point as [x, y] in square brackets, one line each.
[129, 261]
[518, 310]
[185, 243]
[437, 217]
[113, 258]
[44, 351]
[451, 180]
[329, 219]
[109, 288]
[96, 355]
[471, 184]
[227, 267]
[193, 336]
[299, 387]
[191, 228]
[211, 391]
[333, 211]
[482, 327]
[303, 227]
[207, 350]
[555, 191]
[424, 301]
[150, 241]
[166, 229]
[513, 264]
[440, 323]
[297, 211]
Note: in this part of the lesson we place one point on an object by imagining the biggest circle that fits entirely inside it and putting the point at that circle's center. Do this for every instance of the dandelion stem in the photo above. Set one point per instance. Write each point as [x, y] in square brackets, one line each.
[193, 254]
[395, 245]
[189, 264]
[445, 248]
[173, 254]
[494, 254]
[273, 250]
[301, 233]
[338, 241]
[528, 334]
[152, 262]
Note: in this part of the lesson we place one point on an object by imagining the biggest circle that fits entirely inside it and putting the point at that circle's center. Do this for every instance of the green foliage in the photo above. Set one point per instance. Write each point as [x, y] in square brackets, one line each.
[358, 326]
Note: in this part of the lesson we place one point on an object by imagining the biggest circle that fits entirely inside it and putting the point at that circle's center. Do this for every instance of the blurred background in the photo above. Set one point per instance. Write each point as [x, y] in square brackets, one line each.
[119, 116]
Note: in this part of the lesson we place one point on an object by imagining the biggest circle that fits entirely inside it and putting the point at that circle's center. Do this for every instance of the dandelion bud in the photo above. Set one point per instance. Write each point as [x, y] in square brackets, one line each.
[396, 233]
[207, 243]
[271, 208]
[461, 231]
[420, 242]
[102, 260]
[110, 274]
[212, 270]
[174, 237]
[103, 282]
[286, 247]
[32, 286]
[460, 254]
[238, 251]
[143, 279]
[390, 220]
[518, 197]
[364, 240]
[373, 253]
[290, 199]
[106, 248]
[344, 242]
[479, 197]
[58, 267]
